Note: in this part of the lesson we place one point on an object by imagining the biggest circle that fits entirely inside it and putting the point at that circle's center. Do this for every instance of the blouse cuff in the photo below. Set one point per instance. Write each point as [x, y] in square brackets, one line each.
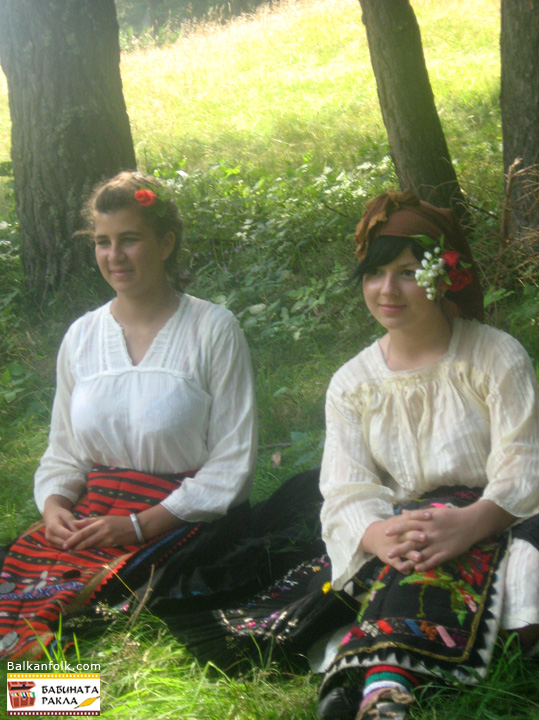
[40, 498]
[344, 551]
[179, 507]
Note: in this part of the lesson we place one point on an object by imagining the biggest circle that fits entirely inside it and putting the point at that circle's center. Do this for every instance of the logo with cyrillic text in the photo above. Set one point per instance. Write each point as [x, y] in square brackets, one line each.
[53, 694]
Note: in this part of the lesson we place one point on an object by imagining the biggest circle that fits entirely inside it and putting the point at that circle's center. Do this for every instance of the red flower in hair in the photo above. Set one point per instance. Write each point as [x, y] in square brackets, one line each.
[451, 258]
[146, 197]
[459, 279]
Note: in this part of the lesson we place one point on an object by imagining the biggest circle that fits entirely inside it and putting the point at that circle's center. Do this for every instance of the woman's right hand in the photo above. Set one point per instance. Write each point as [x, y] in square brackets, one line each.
[398, 540]
[59, 520]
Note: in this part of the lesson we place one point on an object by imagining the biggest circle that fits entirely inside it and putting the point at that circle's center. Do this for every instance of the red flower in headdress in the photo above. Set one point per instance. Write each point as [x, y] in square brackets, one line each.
[459, 279]
[451, 258]
[146, 197]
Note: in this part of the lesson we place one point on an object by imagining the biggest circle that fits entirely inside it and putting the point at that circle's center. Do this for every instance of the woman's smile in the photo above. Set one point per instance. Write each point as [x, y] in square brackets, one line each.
[394, 298]
[130, 256]
[391, 309]
[120, 272]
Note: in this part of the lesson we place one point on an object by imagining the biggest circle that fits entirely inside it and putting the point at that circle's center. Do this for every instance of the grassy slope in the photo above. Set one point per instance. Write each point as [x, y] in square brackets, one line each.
[265, 94]
[298, 81]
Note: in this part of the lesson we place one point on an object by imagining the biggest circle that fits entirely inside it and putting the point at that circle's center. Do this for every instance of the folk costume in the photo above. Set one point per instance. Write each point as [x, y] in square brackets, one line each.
[379, 458]
[464, 427]
[179, 429]
[456, 430]
[461, 428]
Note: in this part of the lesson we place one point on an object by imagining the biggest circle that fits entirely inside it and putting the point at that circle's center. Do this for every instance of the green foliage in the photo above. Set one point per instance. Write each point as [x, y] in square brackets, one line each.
[253, 239]
[56, 652]
[16, 384]
[21, 389]
[145, 673]
[524, 320]
[10, 279]
[269, 88]
[21, 444]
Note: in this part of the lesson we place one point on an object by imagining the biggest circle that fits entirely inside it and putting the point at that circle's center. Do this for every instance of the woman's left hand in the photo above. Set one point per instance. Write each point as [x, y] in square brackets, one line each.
[452, 531]
[447, 535]
[112, 530]
[105, 531]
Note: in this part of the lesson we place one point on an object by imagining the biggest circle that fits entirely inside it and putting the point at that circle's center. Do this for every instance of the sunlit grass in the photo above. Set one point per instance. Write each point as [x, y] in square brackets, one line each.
[278, 86]
[145, 674]
[272, 88]
[269, 83]
[148, 675]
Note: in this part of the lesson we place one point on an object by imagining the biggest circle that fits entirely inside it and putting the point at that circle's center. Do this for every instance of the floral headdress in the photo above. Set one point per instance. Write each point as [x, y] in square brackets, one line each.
[403, 214]
[439, 264]
[156, 199]
[146, 198]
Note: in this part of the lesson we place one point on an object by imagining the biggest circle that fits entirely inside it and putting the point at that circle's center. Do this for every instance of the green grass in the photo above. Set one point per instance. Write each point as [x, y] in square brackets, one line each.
[164, 680]
[298, 81]
[275, 119]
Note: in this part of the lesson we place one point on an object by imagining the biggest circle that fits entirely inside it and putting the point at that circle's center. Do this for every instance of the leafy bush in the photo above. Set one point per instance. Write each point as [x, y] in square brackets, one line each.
[272, 249]
[22, 392]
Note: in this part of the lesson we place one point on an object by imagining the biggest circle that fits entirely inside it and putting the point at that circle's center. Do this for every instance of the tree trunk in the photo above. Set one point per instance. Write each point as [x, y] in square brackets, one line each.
[70, 127]
[519, 44]
[416, 139]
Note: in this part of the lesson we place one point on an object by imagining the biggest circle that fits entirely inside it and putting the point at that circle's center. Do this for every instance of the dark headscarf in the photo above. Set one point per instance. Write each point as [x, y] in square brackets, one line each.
[403, 214]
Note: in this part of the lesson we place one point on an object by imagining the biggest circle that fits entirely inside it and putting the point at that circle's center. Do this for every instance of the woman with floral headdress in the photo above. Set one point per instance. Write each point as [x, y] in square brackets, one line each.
[430, 473]
[153, 434]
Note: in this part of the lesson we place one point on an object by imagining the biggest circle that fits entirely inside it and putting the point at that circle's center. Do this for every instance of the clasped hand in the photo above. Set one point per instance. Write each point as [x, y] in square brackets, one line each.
[63, 530]
[419, 539]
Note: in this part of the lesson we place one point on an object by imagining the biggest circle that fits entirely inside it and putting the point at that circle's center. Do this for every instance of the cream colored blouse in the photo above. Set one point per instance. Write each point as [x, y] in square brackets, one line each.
[470, 418]
[188, 405]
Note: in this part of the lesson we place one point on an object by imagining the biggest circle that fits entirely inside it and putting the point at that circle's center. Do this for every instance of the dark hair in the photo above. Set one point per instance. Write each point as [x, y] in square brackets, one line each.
[118, 193]
[383, 250]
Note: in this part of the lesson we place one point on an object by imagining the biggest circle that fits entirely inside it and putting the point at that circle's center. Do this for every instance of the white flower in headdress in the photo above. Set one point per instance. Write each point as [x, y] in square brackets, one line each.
[432, 268]
[439, 264]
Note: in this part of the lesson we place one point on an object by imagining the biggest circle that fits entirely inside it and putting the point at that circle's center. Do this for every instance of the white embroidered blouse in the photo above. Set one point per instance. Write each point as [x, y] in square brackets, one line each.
[470, 418]
[188, 405]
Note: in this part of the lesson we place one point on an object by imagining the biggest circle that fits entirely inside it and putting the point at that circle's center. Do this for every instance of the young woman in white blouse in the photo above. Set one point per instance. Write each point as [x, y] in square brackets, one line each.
[432, 452]
[153, 430]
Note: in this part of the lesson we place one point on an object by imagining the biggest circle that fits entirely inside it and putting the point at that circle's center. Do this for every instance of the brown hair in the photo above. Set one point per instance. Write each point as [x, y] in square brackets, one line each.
[403, 215]
[162, 216]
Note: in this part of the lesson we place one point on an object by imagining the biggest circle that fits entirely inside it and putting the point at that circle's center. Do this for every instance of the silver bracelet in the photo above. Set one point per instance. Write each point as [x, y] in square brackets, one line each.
[138, 529]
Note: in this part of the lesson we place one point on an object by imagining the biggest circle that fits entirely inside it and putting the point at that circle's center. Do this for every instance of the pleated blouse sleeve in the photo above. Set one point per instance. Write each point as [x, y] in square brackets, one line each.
[513, 403]
[62, 470]
[226, 478]
[354, 496]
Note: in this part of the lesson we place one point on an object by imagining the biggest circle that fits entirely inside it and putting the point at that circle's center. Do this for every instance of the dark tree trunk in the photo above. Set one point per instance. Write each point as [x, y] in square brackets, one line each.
[416, 139]
[69, 125]
[519, 44]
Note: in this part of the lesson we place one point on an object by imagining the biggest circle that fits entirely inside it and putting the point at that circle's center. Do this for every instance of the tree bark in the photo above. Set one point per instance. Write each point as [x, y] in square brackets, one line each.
[519, 100]
[416, 139]
[70, 126]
